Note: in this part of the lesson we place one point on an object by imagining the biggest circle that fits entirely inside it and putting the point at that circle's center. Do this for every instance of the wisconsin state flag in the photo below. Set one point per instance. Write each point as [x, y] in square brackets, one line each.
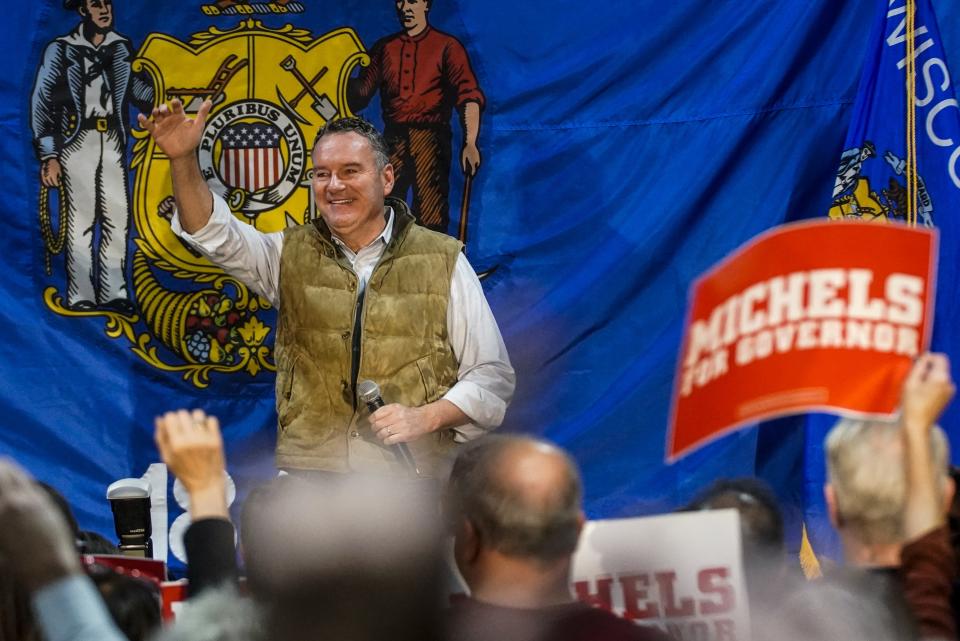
[899, 165]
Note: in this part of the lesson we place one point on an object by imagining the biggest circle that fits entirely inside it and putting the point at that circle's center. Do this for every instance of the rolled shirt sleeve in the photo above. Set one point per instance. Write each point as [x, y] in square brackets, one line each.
[486, 379]
[246, 253]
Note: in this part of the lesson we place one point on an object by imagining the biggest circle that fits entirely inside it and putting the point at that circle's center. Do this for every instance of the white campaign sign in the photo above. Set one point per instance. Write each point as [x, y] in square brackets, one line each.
[681, 572]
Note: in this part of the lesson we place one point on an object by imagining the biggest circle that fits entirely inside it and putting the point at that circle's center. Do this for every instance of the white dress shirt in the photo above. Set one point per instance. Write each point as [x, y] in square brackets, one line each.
[485, 379]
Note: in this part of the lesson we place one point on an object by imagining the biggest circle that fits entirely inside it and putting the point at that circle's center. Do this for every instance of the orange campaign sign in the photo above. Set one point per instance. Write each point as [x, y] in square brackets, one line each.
[811, 316]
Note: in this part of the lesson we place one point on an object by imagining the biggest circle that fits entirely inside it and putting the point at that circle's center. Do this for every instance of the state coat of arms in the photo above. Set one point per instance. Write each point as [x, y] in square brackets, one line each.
[272, 89]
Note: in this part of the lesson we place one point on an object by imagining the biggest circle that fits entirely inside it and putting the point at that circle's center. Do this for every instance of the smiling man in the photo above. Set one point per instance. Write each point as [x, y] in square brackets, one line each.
[364, 293]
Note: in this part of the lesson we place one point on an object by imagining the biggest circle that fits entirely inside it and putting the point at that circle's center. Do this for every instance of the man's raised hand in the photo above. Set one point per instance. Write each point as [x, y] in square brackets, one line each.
[177, 135]
[191, 446]
[926, 391]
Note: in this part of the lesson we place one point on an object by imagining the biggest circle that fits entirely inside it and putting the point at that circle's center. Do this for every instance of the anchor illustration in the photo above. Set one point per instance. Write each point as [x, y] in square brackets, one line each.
[321, 102]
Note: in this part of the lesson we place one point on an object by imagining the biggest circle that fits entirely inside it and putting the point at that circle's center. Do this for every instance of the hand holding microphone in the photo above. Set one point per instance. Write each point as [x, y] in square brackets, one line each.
[394, 424]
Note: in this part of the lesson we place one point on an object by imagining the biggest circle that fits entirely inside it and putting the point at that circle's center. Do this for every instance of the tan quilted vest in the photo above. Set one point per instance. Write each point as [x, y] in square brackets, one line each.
[404, 346]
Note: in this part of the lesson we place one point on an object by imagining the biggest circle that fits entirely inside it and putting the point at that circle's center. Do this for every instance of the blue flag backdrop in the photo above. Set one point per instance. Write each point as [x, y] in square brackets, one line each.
[626, 147]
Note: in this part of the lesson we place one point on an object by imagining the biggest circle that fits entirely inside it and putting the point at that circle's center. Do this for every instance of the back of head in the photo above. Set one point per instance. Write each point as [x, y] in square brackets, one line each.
[761, 533]
[62, 506]
[91, 542]
[522, 494]
[356, 559]
[133, 603]
[761, 523]
[17, 622]
[866, 470]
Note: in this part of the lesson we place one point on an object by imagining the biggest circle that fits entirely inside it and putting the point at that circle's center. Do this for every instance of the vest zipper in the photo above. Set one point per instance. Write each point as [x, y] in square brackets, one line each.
[355, 343]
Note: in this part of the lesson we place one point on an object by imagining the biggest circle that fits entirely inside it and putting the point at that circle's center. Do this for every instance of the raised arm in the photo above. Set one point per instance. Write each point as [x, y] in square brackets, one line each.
[927, 558]
[38, 551]
[926, 392]
[191, 445]
[178, 137]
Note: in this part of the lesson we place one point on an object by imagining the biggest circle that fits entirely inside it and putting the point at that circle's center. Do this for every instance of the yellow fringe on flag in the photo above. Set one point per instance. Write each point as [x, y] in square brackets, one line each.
[911, 168]
[808, 558]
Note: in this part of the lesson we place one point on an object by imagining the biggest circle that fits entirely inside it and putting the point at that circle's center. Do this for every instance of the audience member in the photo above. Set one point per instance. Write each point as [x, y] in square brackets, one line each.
[514, 504]
[887, 495]
[39, 553]
[134, 603]
[60, 501]
[219, 614]
[928, 561]
[356, 560]
[191, 446]
[761, 524]
[90, 542]
[16, 619]
[761, 535]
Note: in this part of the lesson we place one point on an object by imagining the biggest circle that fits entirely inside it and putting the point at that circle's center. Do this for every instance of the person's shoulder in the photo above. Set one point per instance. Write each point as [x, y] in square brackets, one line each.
[588, 623]
[445, 40]
[57, 46]
[117, 37]
[437, 236]
[298, 231]
[386, 40]
[422, 240]
[440, 35]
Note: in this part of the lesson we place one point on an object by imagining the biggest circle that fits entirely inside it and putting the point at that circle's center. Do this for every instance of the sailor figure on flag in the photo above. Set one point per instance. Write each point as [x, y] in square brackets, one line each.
[80, 119]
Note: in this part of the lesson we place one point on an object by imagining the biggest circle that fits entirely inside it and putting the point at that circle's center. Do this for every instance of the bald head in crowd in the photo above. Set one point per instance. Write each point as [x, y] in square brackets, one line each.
[514, 503]
[521, 496]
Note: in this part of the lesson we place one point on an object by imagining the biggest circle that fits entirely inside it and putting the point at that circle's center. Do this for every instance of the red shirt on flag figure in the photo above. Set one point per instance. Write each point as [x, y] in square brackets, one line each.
[422, 74]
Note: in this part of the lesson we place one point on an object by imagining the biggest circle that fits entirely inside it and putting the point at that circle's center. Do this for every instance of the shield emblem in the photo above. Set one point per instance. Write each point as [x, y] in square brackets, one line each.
[272, 89]
[283, 84]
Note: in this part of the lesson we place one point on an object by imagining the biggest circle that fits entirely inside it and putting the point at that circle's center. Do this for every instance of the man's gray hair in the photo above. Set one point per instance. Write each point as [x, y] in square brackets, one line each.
[361, 127]
[511, 521]
[865, 465]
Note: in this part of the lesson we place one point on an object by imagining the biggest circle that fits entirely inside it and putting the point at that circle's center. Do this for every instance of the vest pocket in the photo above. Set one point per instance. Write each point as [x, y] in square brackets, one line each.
[429, 379]
[285, 409]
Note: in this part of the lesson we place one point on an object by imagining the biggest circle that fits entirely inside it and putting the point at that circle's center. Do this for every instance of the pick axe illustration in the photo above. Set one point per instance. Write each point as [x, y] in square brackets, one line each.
[321, 102]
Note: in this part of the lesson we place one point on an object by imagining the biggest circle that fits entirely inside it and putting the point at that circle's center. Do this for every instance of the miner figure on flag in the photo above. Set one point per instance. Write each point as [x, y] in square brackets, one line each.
[422, 74]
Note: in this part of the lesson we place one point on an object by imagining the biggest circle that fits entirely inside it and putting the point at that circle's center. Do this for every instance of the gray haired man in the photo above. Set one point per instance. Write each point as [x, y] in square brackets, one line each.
[514, 504]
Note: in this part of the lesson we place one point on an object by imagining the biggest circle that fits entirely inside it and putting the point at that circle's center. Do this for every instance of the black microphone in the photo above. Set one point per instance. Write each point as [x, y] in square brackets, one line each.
[369, 393]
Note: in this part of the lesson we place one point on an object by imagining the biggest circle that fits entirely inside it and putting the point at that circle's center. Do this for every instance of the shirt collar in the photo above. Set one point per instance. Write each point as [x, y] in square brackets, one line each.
[383, 239]
[76, 38]
[417, 38]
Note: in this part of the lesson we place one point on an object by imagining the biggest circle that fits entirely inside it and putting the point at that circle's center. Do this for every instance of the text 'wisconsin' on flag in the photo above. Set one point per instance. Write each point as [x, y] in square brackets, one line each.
[900, 164]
